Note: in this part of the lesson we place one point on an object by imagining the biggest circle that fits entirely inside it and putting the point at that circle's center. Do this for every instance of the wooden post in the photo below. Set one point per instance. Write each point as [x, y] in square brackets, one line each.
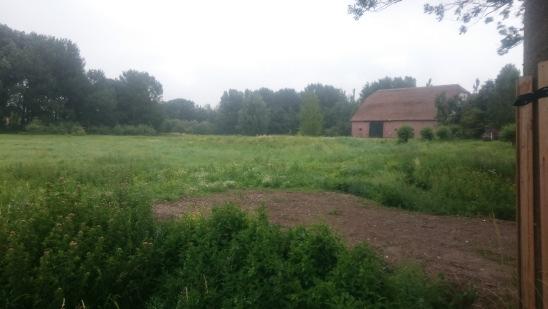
[532, 197]
[542, 187]
[525, 197]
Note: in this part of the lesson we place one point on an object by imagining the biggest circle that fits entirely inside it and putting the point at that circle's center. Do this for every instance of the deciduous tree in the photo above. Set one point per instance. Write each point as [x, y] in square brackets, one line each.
[311, 115]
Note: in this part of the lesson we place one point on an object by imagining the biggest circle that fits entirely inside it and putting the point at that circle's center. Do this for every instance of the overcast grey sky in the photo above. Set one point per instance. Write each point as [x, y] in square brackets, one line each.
[198, 49]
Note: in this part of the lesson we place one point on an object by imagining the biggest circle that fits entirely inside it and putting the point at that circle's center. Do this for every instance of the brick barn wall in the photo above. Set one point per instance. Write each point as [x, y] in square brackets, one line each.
[361, 129]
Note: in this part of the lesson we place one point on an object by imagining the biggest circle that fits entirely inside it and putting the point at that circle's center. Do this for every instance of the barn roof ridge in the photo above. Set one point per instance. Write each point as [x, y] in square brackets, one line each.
[422, 87]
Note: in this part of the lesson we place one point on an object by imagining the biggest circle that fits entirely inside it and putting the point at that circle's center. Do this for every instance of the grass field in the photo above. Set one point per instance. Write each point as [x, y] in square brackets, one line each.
[469, 178]
[76, 226]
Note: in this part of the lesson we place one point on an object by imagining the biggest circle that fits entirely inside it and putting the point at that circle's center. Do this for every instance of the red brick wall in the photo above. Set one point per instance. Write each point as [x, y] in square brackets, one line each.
[361, 129]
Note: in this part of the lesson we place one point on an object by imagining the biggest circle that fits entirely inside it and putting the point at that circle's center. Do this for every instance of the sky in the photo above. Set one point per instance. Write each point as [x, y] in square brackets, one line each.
[198, 49]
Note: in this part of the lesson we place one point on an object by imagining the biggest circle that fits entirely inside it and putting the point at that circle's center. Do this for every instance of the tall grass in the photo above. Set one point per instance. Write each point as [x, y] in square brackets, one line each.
[469, 178]
[76, 226]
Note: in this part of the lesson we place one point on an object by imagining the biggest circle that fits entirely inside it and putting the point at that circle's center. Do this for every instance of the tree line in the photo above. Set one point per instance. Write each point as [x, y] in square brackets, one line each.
[489, 107]
[43, 79]
[44, 84]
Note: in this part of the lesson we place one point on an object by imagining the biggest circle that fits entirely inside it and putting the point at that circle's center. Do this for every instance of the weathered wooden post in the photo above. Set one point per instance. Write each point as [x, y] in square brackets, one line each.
[532, 183]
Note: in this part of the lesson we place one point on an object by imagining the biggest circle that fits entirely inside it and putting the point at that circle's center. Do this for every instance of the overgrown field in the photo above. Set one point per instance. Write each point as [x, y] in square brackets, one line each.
[76, 227]
[469, 178]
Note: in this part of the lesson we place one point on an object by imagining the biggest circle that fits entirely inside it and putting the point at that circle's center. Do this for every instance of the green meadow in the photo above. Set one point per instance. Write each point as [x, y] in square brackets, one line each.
[467, 178]
[77, 230]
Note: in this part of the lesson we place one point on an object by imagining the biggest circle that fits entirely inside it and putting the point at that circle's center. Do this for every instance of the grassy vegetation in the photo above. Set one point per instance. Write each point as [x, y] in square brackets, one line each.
[469, 178]
[76, 225]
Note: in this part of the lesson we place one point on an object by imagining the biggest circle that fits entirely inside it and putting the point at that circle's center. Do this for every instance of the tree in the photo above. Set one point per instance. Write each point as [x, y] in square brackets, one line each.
[500, 111]
[284, 106]
[139, 95]
[179, 109]
[100, 104]
[449, 110]
[533, 33]
[331, 101]
[311, 115]
[472, 122]
[40, 77]
[387, 83]
[228, 111]
[253, 117]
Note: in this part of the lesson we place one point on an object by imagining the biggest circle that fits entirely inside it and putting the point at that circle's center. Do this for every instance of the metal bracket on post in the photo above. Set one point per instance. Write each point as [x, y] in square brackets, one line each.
[531, 97]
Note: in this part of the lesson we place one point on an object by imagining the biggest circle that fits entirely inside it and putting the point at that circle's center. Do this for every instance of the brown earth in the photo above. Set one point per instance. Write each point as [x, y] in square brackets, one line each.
[468, 251]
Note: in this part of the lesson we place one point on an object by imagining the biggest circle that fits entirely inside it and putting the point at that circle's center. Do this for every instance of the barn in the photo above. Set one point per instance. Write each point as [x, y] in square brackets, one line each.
[384, 111]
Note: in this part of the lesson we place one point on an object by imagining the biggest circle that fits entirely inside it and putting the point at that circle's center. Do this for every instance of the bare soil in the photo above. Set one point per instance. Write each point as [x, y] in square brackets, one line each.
[468, 251]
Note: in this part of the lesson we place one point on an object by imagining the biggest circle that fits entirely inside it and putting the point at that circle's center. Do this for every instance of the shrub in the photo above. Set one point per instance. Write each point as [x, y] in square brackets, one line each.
[38, 127]
[427, 134]
[140, 129]
[103, 130]
[508, 133]
[64, 249]
[106, 251]
[231, 260]
[456, 131]
[405, 133]
[187, 126]
[203, 127]
[443, 133]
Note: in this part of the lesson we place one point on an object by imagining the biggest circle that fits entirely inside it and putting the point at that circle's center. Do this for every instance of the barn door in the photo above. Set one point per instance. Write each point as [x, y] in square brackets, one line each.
[376, 128]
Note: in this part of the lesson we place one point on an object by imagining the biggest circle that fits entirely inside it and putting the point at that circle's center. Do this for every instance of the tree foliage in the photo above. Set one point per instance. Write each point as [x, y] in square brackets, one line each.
[335, 107]
[228, 111]
[466, 12]
[41, 77]
[490, 107]
[405, 133]
[253, 117]
[387, 83]
[311, 115]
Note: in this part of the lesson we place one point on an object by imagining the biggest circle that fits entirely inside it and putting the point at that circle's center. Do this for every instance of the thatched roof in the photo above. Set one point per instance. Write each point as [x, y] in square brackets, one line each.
[404, 103]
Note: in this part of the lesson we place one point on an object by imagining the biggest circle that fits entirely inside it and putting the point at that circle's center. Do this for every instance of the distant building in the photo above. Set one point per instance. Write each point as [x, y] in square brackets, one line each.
[384, 111]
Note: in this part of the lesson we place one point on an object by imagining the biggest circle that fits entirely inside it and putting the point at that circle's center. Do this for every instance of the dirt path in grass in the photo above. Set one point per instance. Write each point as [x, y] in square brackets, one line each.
[467, 251]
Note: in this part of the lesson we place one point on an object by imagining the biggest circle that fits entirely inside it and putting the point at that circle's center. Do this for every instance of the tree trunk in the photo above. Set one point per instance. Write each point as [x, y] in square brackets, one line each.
[535, 43]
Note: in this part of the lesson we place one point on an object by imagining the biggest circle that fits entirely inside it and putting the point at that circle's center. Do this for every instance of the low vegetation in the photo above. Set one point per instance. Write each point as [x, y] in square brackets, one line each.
[427, 134]
[469, 178]
[405, 133]
[76, 219]
[71, 249]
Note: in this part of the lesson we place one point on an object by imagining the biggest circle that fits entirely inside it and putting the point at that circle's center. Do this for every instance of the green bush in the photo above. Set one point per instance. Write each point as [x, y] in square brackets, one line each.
[66, 249]
[140, 129]
[38, 127]
[508, 133]
[456, 131]
[427, 134]
[187, 126]
[102, 130]
[443, 133]
[70, 249]
[230, 260]
[405, 133]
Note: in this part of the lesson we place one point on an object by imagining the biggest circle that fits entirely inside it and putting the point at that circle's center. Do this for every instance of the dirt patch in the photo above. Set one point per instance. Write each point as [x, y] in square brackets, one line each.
[467, 251]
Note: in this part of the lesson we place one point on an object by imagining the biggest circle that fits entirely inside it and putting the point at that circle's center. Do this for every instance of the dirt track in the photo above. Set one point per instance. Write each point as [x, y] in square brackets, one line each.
[468, 251]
